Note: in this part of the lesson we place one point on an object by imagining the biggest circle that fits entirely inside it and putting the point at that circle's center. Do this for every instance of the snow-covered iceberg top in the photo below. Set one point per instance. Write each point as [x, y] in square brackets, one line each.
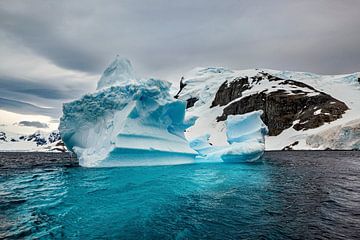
[130, 121]
[120, 72]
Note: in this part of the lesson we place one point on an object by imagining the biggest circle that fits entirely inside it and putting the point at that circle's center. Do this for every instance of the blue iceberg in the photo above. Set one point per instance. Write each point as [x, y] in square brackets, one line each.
[126, 122]
[135, 122]
[245, 135]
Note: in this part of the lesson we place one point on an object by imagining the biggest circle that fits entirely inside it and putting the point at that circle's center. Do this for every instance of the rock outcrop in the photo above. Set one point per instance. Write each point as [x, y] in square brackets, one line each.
[35, 137]
[3, 137]
[190, 101]
[302, 107]
[231, 91]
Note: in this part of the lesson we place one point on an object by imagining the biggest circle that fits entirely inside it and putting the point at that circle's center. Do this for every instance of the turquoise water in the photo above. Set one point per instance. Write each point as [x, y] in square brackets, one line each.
[288, 195]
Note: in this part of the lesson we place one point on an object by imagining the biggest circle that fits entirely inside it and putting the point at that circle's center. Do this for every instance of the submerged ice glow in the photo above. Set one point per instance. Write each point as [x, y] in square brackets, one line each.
[130, 121]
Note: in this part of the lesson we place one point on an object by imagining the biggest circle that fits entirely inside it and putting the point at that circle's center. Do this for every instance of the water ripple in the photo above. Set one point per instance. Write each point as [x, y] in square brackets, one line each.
[291, 195]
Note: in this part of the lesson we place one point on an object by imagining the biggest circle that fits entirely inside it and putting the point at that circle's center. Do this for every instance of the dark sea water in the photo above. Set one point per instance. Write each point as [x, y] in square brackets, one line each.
[289, 195]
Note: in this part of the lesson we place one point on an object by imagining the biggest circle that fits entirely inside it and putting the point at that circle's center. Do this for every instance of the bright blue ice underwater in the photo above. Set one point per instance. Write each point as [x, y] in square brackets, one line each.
[137, 202]
[198, 201]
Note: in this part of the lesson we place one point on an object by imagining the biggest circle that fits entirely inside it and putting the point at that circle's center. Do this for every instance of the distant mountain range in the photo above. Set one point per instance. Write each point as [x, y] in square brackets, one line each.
[38, 141]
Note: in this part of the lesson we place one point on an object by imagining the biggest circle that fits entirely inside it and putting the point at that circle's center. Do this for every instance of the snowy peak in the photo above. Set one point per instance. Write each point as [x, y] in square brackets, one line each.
[42, 139]
[119, 72]
[36, 137]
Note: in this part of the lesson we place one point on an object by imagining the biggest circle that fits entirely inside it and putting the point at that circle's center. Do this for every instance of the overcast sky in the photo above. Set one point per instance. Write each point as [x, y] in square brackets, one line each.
[53, 51]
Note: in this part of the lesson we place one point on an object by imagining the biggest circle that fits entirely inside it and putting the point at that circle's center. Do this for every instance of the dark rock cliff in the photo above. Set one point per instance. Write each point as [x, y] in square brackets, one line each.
[230, 91]
[3, 137]
[189, 102]
[281, 110]
[280, 107]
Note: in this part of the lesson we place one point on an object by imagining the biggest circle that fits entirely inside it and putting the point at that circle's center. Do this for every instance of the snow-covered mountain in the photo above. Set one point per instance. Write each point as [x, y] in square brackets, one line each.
[22, 131]
[38, 141]
[302, 110]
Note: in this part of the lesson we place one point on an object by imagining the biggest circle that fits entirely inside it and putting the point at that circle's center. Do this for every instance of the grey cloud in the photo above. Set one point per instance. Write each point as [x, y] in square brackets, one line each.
[40, 93]
[166, 38]
[27, 108]
[54, 121]
[39, 89]
[35, 124]
[44, 37]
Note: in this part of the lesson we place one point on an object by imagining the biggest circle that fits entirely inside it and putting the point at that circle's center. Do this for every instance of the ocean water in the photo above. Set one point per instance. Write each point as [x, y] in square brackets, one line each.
[289, 195]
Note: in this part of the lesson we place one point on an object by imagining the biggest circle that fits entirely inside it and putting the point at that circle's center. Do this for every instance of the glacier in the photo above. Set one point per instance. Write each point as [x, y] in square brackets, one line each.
[129, 121]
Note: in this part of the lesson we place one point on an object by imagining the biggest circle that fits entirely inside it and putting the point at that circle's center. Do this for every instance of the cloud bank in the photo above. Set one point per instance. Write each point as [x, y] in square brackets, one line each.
[54, 51]
[35, 124]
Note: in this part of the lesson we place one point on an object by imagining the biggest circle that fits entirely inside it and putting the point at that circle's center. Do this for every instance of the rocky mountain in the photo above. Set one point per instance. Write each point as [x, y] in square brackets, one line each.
[37, 141]
[301, 110]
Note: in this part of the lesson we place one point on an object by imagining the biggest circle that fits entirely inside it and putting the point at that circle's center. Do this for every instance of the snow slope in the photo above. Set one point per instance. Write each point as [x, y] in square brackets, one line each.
[343, 87]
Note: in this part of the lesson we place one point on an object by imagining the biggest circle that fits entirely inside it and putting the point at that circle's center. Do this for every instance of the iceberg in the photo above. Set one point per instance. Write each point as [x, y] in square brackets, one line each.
[127, 122]
[245, 136]
[137, 122]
